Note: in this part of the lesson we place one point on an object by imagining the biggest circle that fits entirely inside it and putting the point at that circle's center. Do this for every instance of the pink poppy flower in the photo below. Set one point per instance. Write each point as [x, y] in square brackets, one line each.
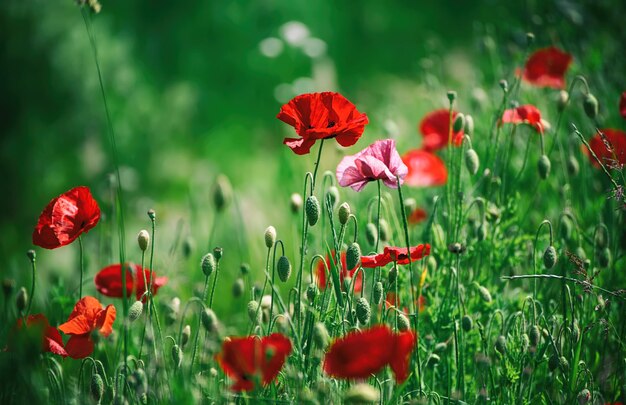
[524, 114]
[425, 169]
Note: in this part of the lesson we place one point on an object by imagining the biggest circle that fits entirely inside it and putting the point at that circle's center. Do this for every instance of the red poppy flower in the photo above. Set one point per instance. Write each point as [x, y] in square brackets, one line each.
[343, 274]
[416, 216]
[65, 218]
[379, 161]
[524, 114]
[248, 358]
[87, 317]
[622, 105]
[50, 337]
[395, 254]
[435, 130]
[360, 354]
[321, 116]
[617, 140]
[425, 169]
[546, 68]
[109, 281]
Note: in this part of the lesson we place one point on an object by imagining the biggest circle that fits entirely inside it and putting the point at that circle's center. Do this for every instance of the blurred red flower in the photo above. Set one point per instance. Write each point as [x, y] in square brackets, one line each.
[435, 130]
[622, 105]
[617, 140]
[546, 68]
[51, 340]
[343, 273]
[524, 114]
[65, 218]
[245, 358]
[379, 161]
[322, 116]
[425, 169]
[87, 317]
[395, 254]
[109, 281]
[416, 216]
[391, 299]
[359, 354]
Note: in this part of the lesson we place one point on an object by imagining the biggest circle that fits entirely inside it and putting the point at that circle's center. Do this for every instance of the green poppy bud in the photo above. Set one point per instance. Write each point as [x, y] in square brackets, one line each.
[471, 161]
[385, 232]
[543, 166]
[583, 397]
[393, 275]
[501, 345]
[344, 213]
[441, 347]
[363, 311]
[238, 287]
[403, 323]
[469, 125]
[590, 105]
[484, 294]
[333, 195]
[534, 336]
[143, 240]
[284, 268]
[208, 264]
[549, 257]
[562, 100]
[270, 236]
[353, 255]
[604, 257]
[321, 338]
[222, 193]
[96, 387]
[135, 310]
[152, 214]
[434, 359]
[184, 337]
[21, 299]
[253, 312]
[312, 208]
[295, 202]
[451, 95]
[209, 320]
[177, 356]
[459, 123]
[32, 256]
[553, 362]
[311, 292]
[601, 236]
[566, 228]
[504, 85]
[573, 168]
[378, 293]
[361, 393]
[218, 252]
[371, 233]
[467, 323]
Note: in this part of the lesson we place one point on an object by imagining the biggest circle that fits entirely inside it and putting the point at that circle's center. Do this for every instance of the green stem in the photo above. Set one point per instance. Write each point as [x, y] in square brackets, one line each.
[32, 288]
[81, 264]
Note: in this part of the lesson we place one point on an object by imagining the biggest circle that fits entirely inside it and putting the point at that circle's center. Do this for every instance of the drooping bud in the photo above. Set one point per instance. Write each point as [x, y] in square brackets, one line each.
[361, 393]
[7, 287]
[363, 311]
[543, 166]
[222, 193]
[583, 397]
[573, 168]
[410, 204]
[553, 362]
[563, 363]
[504, 85]
[333, 194]
[434, 359]
[135, 311]
[441, 347]
[549, 257]
[321, 337]
[21, 299]
[244, 269]
[385, 232]
[431, 264]
[96, 387]
[209, 320]
[188, 247]
[295, 202]
[284, 268]
[459, 123]
[604, 257]
[601, 237]
[378, 293]
[344, 213]
[270, 236]
[471, 161]
[484, 294]
[208, 264]
[575, 332]
[311, 292]
[467, 323]
[534, 336]
[393, 275]
[501, 345]
[238, 287]
[353, 255]
[143, 240]
[469, 125]
[184, 337]
[566, 228]
[562, 100]
[525, 342]
[371, 233]
[403, 323]
[590, 105]
[481, 231]
[253, 312]
[312, 208]
[177, 356]
[530, 38]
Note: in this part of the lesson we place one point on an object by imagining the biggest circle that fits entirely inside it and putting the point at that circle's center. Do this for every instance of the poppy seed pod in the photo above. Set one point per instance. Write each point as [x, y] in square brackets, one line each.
[135, 311]
[222, 193]
[371, 233]
[152, 214]
[363, 311]
[467, 323]
[32, 256]
[284, 268]
[208, 264]
[21, 299]
[177, 356]
[209, 320]
[459, 123]
[484, 294]
[353, 255]
[361, 393]
[96, 387]
[295, 202]
[604, 257]
[549, 257]
[320, 335]
[451, 95]
[501, 345]
[535, 335]
[333, 194]
[590, 105]
[270, 236]
[543, 166]
[344, 213]
[218, 252]
[312, 208]
[238, 287]
[253, 312]
[143, 240]
[471, 161]
[378, 293]
[403, 323]
[469, 125]
[184, 337]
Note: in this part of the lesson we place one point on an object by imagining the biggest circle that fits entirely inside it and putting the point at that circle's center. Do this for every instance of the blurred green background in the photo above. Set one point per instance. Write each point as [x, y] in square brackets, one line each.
[194, 88]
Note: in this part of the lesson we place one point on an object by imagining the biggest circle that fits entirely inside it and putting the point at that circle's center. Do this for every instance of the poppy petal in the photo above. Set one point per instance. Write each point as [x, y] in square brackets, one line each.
[79, 346]
[425, 169]
[105, 320]
[435, 130]
[547, 67]
[404, 343]
[276, 348]
[76, 325]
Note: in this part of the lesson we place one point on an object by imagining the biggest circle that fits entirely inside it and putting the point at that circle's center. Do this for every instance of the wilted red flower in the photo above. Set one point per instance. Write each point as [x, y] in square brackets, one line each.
[245, 359]
[379, 161]
[109, 281]
[524, 114]
[435, 130]
[322, 116]
[416, 216]
[425, 169]
[87, 317]
[395, 254]
[65, 218]
[360, 354]
[616, 138]
[622, 105]
[546, 68]
[50, 337]
[343, 273]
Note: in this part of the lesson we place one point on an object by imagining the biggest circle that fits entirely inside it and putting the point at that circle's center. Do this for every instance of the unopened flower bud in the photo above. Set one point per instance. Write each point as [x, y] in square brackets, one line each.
[562, 100]
[584, 397]
[284, 268]
[244, 269]
[21, 299]
[530, 38]
[410, 205]
[333, 195]
[469, 125]
[378, 293]
[471, 161]
[601, 237]
[361, 393]
[553, 362]
[573, 168]
[312, 208]
[238, 287]
[549, 257]
[590, 105]
[566, 228]
[467, 323]
[7, 286]
[504, 85]
[481, 231]
[218, 252]
[209, 320]
[403, 323]
[32, 256]
[563, 363]
[385, 232]
[604, 257]
[253, 312]
[208, 264]
[459, 123]
[371, 233]
[575, 332]
[177, 356]
[451, 96]
[543, 166]
[431, 264]
[311, 292]
[295, 202]
[441, 347]
[393, 275]
[363, 311]
[143, 240]
[434, 359]
[184, 337]
[135, 310]
[484, 294]
[188, 247]
[96, 387]
[270, 236]
[534, 336]
[501, 345]
[320, 335]
[353, 256]
[222, 193]
[344, 213]
[152, 214]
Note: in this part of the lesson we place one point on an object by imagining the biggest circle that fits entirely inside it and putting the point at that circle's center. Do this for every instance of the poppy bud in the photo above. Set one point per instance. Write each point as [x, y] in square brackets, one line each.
[96, 387]
[481, 232]
[320, 335]
[535, 335]
[222, 192]
[501, 345]
[312, 208]
[270, 236]
[410, 205]
[602, 236]
[378, 293]
[584, 396]
[563, 363]
[135, 310]
[21, 300]
[467, 323]
[393, 275]
[363, 311]
[590, 105]
[604, 257]
[572, 166]
[566, 228]
[177, 356]
[295, 202]
[403, 323]
[184, 337]
[438, 235]
[152, 214]
[459, 123]
[361, 393]
[575, 332]
[434, 359]
[441, 347]
[553, 362]
[525, 341]
[244, 269]
[371, 233]
[311, 292]
[7, 286]
[253, 312]
[32, 256]
[471, 161]
[208, 264]
[562, 99]
[143, 240]
[530, 38]
[451, 96]
[344, 213]
[353, 255]
[284, 268]
[484, 294]
[384, 230]
[469, 125]
[431, 264]
[543, 166]
[549, 257]
[209, 320]
[333, 195]
[238, 287]
[188, 247]
[456, 248]
[504, 85]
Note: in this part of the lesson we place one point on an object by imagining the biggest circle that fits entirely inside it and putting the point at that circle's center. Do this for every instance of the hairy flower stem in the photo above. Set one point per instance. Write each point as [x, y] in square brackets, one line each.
[81, 267]
[217, 272]
[195, 342]
[145, 282]
[377, 242]
[33, 266]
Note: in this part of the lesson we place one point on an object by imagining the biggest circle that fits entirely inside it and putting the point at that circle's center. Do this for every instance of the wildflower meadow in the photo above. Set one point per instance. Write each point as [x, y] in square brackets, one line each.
[299, 203]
